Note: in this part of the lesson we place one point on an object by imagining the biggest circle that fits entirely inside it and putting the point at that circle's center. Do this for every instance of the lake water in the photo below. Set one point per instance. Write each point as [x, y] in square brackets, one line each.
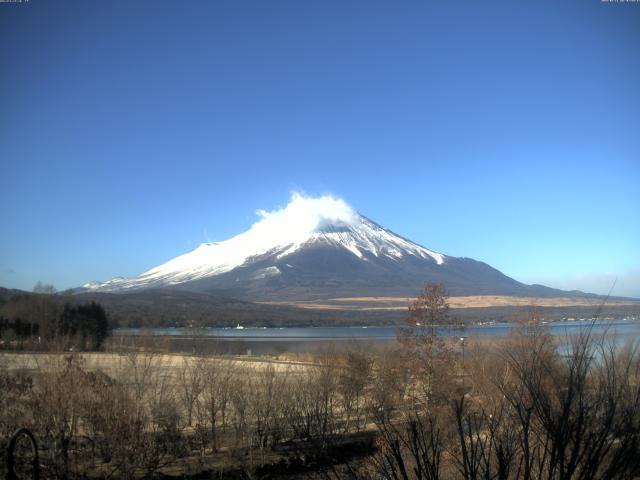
[614, 326]
[306, 339]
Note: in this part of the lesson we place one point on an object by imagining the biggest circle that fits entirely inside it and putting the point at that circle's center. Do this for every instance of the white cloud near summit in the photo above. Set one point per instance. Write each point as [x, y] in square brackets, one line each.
[304, 214]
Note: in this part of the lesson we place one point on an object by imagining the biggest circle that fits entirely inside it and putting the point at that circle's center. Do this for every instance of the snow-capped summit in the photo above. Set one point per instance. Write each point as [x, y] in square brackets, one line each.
[303, 223]
[314, 247]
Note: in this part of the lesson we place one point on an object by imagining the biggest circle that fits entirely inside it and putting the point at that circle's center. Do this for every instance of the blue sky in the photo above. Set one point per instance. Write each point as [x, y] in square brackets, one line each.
[505, 131]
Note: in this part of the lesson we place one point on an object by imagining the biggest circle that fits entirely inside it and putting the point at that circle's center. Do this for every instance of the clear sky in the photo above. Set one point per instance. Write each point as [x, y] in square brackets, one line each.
[504, 131]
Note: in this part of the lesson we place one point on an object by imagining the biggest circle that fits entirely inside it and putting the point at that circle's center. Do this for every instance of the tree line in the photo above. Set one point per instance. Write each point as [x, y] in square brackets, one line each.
[52, 321]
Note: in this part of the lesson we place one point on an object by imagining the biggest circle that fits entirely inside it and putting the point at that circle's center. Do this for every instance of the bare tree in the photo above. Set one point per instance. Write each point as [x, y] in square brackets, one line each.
[190, 385]
[44, 288]
[267, 406]
[211, 405]
[431, 308]
[426, 353]
[57, 406]
[389, 385]
[238, 396]
[353, 380]
[410, 450]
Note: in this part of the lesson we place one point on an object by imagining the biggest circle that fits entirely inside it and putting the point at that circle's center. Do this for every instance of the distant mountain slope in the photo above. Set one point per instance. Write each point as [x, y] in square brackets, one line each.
[181, 308]
[8, 293]
[320, 248]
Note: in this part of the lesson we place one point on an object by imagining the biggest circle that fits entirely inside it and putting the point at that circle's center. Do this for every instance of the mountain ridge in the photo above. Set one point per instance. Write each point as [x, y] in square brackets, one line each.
[321, 248]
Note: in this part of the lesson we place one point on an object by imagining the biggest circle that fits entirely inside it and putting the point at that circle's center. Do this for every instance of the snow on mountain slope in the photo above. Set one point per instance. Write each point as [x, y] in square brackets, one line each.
[304, 222]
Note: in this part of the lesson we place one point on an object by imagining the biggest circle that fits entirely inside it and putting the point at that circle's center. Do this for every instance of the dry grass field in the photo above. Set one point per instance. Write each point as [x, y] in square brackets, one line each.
[472, 301]
[115, 363]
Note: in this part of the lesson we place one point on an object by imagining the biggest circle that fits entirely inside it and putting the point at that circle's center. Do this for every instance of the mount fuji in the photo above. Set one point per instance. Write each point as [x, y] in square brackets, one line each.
[319, 248]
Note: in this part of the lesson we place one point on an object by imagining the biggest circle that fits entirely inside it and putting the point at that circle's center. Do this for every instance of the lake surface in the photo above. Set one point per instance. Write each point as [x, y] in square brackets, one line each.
[618, 326]
[308, 339]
